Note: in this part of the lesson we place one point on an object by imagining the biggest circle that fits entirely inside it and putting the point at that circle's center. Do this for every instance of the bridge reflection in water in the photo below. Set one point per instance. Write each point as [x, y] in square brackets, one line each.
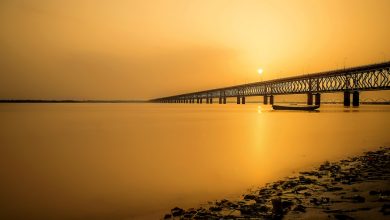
[349, 81]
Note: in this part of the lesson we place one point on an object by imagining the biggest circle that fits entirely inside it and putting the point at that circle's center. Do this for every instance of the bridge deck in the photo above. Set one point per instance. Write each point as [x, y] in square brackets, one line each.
[360, 78]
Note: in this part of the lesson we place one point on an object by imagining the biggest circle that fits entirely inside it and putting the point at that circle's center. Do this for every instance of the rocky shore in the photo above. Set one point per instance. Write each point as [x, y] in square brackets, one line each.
[354, 188]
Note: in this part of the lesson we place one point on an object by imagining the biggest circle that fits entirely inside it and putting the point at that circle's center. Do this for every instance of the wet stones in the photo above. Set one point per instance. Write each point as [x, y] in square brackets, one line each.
[299, 208]
[215, 208]
[280, 206]
[250, 197]
[385, 209]
[304, 180]
[320, 201]
[343, 217]
[177, 211]
[333, 188]
[277, 207]
[326, 189]
[167, 216]
[289, 184]
[355, 198]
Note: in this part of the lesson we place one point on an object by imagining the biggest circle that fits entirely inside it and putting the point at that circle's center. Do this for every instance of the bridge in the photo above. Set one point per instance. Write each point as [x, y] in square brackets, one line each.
[348, 80]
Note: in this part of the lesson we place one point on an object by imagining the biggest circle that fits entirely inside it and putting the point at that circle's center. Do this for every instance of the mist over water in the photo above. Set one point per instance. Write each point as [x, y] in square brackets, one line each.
[132, 161]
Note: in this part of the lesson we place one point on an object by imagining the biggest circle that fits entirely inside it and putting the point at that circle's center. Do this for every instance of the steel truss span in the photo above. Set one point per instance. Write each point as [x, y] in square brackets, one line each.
[361, 78]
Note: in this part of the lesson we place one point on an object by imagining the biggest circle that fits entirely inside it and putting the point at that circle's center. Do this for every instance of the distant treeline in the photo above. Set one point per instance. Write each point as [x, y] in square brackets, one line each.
[68, 101]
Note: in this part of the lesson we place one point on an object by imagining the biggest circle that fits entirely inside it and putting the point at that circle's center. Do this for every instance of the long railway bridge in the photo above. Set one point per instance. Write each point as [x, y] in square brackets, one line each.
[348, 80]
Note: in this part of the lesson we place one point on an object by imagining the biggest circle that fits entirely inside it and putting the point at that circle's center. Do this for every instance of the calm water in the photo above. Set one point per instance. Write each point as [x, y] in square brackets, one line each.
[134, 161]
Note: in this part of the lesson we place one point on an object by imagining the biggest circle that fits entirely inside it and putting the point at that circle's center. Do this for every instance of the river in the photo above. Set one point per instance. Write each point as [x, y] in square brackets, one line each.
[136, 161]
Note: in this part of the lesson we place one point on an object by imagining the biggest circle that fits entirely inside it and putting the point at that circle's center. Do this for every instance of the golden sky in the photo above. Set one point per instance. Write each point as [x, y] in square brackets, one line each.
[120, 49]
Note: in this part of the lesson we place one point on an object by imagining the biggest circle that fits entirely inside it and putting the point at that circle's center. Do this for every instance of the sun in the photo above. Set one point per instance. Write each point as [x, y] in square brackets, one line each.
[260, 71]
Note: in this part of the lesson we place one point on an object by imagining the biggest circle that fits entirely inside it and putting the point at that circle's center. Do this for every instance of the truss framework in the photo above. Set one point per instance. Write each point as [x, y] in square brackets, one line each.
[362, 78]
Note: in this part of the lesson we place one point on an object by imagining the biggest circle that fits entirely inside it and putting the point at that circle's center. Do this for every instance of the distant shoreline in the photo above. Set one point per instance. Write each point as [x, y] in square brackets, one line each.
[72, 101]
[147, 101]
[21, 101]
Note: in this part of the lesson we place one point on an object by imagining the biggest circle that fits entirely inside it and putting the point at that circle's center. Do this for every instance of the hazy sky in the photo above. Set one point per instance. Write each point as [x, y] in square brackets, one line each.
[122, 49]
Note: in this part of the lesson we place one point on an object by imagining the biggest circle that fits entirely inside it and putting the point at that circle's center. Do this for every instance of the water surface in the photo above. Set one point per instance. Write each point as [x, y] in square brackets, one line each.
[134, 161]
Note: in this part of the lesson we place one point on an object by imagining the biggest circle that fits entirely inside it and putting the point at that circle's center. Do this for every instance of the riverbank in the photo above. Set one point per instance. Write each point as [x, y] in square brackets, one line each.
[354, 188]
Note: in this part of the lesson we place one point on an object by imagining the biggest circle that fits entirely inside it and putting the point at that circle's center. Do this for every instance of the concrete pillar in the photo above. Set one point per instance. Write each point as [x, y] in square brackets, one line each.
[271, 99]
[224, 100]
[211, 100]
[238, 99]
[355, 98]
[243, 100]
[220, 100]
[347, 98]
[265, 100]
[200, 100]
[207, 100]
[317, 99]
[310, 98]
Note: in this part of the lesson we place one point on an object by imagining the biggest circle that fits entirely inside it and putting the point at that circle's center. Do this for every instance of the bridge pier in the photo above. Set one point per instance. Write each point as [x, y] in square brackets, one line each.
[211, 100]
[271, 99]
[220, 100]
[200, 100]
[347, 98]
[224, 100]
[207, 100]
[243, 100]
[355, 98]
[317, 99]
[238, 99]
[265, 100]
[310, 98]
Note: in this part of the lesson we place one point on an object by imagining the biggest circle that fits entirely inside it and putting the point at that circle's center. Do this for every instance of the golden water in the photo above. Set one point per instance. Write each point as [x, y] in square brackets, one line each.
[134, 161]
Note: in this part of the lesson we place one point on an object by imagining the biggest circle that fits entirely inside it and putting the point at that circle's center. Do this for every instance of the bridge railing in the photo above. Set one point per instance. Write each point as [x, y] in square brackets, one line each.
[362, 78]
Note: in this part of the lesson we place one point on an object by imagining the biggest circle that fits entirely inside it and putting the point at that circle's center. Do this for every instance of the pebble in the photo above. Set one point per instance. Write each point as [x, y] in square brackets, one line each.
[296, 194]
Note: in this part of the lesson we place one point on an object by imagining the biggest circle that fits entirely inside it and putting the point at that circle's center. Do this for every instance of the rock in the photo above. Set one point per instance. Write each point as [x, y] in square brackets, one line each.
[385, 209]
[343, 217]
[380, 192]
[355, 198]
[289, 184]
[373, 192]
[286, 204]
[188, 215]
[167, 216]
[250, 197]
[215, 208]
[322, 200]
[304, 180]
[300, 188]
[299, 208]
[333, 188]
[383, 199]
[262, 208]
[277, 207]
[247, 210]
[177, 211]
